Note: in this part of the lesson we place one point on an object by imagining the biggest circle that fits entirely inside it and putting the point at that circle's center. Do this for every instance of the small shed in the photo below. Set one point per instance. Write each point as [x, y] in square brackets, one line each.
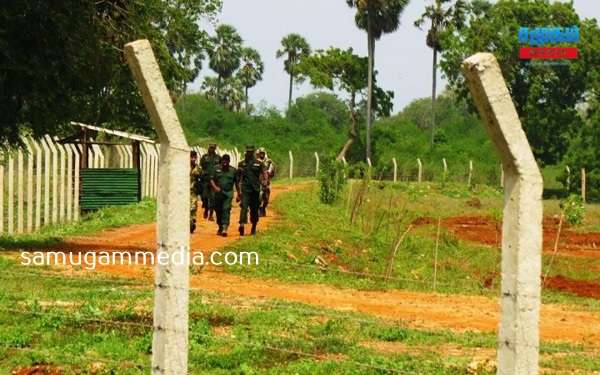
[102, 184]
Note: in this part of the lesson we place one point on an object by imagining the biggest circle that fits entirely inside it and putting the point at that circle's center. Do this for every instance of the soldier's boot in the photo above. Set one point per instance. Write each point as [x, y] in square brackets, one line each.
[253, 230]
[224, 231]
[241, 230]
[205, 215]
[211, 215]
[262, 212]
[220, 231]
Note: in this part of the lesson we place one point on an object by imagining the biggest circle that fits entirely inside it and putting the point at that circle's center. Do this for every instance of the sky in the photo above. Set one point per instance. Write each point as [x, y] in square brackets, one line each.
[402, 58]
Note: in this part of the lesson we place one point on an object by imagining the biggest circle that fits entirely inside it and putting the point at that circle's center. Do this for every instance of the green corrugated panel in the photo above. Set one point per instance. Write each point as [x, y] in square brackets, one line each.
[108, 187]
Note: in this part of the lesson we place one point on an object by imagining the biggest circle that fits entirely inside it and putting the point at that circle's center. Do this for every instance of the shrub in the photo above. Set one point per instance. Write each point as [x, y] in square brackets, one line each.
[332, 177]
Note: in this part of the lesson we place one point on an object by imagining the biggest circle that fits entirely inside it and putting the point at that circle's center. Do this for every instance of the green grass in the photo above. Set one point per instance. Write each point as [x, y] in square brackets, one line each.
[103, 326]
[311, 229]
[93, 222]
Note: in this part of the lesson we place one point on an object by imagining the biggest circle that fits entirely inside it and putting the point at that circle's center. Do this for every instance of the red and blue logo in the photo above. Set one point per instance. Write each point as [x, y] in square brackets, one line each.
[542, 43]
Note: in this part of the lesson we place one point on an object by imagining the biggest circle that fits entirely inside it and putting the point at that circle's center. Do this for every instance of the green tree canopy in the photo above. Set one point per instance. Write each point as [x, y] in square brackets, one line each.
[546, 96]
[63, 60]
[251, 71]
[225, 52]
[294, 47]
[342, 70]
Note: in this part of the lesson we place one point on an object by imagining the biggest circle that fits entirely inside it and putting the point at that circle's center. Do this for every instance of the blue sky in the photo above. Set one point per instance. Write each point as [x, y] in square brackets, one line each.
[402, 58]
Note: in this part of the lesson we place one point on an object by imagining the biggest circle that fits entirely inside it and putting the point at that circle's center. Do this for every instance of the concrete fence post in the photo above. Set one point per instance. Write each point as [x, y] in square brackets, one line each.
[501, 175]
[11, 194]
[69, 190]
[568, 170]
[47, 155]
[445, 165]
[1, 197]
[38, 183]
[62, 185]
[30, 159]
[583, 185]
[20, 190]
[395, 169]
[171, 292]
[317, 164]
[420, 172]
[518, 351]
[53, 151]
[291, 165]
[470, 178]
[76, 169]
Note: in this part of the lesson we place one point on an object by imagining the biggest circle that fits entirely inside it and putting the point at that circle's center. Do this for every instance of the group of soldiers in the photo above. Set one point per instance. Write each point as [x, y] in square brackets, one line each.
[214, 180]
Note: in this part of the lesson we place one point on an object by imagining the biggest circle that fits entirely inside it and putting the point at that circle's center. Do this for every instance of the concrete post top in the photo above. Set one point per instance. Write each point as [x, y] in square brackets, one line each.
[490, 94]
[154, 92]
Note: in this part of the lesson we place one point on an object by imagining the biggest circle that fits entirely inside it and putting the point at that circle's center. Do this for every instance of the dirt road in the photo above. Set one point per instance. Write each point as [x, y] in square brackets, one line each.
[454, 312]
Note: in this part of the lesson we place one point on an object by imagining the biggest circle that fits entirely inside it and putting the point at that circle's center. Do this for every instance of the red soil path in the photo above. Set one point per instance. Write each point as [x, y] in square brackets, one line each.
[418, 309]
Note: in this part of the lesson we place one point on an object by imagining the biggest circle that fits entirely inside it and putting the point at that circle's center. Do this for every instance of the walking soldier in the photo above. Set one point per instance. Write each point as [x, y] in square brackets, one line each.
[209, 163]
[222, 183]
[251, 173]
[195, 173]
[265, 192]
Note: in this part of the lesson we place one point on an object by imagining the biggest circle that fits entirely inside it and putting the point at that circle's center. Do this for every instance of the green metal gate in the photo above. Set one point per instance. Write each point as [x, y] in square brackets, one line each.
[108, 187]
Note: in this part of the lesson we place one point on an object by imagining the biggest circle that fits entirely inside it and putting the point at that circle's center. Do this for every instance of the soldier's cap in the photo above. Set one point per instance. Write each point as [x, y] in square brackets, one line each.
[226, 157]
[250, 148]
[193, 154]
[212, 145]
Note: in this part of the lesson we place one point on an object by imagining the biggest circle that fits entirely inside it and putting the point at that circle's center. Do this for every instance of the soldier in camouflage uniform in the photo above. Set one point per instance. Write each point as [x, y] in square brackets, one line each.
[209, 163]
[195, 173]
[265, 191]
[222, 182]
[251, 172]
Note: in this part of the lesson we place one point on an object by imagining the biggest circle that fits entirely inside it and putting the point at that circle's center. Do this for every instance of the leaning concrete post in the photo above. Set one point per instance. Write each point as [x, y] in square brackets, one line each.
[501, 175]
[291, 165]
[568, 170]
[395, 169]
[518, 351]
[317, 162]
[170, 341]
[420, 173]
[583, 185]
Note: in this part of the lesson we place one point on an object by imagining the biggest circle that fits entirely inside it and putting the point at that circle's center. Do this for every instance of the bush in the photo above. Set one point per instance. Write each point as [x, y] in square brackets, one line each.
[332, 177]
[573, 209]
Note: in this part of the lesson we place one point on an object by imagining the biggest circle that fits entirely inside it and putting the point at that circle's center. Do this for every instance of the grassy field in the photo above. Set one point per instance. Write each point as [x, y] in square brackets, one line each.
[93, 222]
[99, 325]
[103, 326]
[357, 254]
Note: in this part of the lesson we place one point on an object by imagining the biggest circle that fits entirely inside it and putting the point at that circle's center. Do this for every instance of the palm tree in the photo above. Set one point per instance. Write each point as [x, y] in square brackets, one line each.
[251, 70]
[376, 17]
[442, 20]
[295, 47]
[225, 53]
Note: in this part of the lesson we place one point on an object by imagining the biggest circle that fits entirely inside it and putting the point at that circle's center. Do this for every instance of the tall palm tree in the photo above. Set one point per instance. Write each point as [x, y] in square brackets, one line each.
[225, 53]
[443, 18]
[251, 70]
[376, 17]
[295, 47]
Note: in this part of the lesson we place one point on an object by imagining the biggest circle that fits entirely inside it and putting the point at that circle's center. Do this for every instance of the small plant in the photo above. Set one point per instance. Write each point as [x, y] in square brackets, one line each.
[332, 177]
[574, 209]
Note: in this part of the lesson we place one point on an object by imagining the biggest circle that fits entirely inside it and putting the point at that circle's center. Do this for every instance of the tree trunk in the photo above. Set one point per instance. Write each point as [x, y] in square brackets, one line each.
[433, 95]
[291, 87]
[371, 46]
[352, 132]
[219, 79]
[247, 108]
